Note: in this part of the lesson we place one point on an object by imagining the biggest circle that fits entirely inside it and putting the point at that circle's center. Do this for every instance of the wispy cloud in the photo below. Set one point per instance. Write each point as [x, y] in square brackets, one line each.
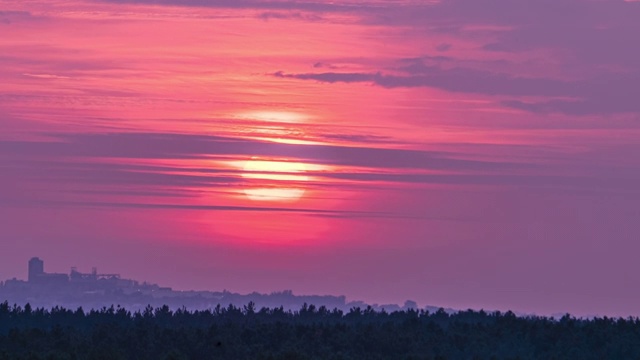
[8, 17]
[186, 146]
[454, 80]
[614, 93]
[269, 15]
[317, 6]
[111, 170]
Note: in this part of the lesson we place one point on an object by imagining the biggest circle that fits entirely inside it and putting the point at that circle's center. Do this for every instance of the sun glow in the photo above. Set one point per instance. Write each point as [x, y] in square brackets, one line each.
[275, 116]
[276, 180]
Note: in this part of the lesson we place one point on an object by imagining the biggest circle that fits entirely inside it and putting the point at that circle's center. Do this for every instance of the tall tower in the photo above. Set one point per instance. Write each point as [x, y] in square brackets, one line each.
[36, 268]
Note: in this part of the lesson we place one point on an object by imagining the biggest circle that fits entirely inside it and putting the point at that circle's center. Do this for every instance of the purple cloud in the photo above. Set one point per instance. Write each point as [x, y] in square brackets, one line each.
[183, 146]
[8, 17]
[603, 95]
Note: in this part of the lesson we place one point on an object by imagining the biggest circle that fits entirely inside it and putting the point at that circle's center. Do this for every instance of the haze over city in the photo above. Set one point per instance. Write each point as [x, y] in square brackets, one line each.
[457, 153]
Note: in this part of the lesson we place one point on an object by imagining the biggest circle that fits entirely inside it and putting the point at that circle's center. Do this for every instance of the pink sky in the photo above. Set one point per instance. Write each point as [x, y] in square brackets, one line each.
[462, 153]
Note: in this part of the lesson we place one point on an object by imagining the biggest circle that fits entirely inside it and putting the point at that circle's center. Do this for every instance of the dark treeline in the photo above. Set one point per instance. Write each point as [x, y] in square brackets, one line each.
[310, 333]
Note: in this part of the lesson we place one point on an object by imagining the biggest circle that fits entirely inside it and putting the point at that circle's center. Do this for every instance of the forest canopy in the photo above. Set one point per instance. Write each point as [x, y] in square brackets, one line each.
[309, 333]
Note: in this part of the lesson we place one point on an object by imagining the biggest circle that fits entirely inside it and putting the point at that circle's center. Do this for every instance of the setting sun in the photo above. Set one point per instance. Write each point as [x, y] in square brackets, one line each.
[274, 116]
[279, 180]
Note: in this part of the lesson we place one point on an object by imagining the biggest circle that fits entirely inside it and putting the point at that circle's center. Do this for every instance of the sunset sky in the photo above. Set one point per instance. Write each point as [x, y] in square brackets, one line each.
[459, 153]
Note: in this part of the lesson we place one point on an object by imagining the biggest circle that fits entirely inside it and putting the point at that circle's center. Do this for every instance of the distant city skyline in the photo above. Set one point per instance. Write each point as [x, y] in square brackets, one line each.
[458, 153]
[95, 290]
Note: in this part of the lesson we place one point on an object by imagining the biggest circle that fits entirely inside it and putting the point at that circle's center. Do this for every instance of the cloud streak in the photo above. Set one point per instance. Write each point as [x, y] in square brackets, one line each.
[608, 95]
[111, 172]
[185, 146]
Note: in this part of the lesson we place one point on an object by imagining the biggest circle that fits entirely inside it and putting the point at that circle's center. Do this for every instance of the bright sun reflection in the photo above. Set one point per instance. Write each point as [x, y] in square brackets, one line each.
[275, 116]
[281, 180]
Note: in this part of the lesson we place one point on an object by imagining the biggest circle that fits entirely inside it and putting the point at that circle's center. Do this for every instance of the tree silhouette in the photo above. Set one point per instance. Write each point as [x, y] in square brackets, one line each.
[309, 333]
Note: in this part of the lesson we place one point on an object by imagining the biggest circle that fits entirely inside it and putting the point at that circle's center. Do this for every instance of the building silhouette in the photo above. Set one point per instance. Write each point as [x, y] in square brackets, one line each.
[95, 290]
[36, 269]
[37, 276]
